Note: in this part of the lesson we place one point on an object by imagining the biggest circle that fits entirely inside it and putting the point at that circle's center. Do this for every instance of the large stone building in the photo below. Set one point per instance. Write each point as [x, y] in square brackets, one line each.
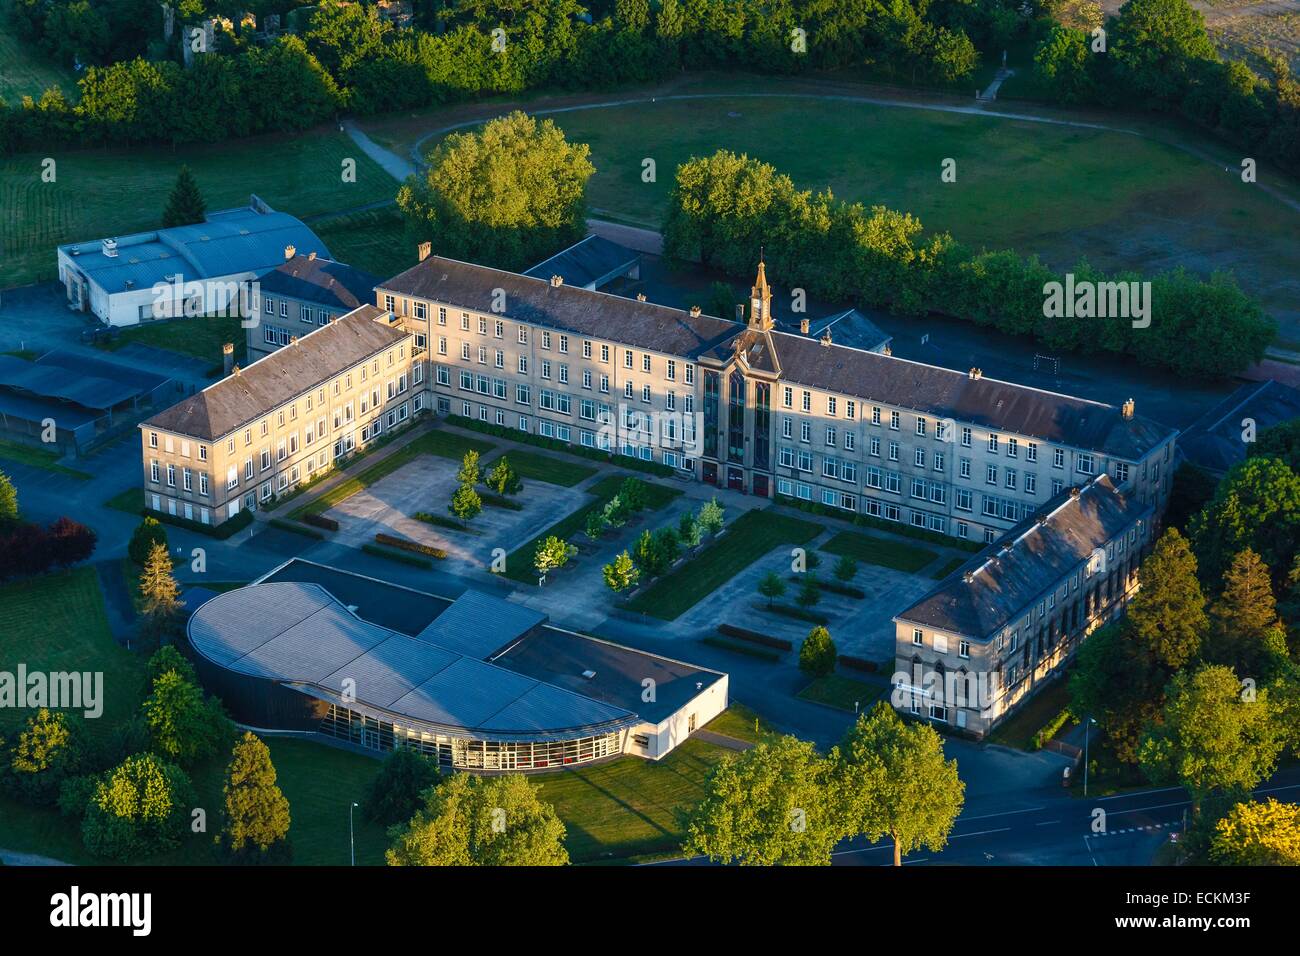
[300, 294]
[986, 638]
[755, 409]
[260, 431]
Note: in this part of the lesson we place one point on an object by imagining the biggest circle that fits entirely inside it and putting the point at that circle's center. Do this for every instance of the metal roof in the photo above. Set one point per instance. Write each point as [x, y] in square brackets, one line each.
[300, 635]
[587, 263]
[477, 625]
[230, 242]
[49, 377]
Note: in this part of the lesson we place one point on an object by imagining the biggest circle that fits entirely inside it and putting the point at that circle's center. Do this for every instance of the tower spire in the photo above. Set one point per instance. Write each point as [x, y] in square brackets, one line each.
[760, 298]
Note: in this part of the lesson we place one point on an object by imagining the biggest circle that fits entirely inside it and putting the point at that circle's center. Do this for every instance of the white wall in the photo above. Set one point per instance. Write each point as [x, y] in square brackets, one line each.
[667, 734]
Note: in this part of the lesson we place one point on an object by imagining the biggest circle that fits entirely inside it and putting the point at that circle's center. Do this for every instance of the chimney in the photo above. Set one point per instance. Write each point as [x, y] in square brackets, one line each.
[887, 350]
[557, 281]
[311, 256]
[803, 326]
[826, 338]
[740, 312]
[227, 358]
[293, 340]
[1127, 409]
[423, 250]
[640, 296]
[968, 577]
[290, 252]
[1074, 492]
[976, 374]
[695, 312]
[235, 371]
[110, 248]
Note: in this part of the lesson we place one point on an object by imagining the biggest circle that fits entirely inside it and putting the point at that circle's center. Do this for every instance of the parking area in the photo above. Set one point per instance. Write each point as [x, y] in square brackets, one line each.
[426, 484]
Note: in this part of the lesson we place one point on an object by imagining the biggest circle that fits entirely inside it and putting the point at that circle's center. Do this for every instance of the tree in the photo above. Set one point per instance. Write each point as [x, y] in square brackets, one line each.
[1216, 736]
[465, 503]
[689, 531]
[896, 783]
[70, 542]
[159, 594]
[8, 502]
[137, 809]
[256, 812]
[397, 791]
[595, 525]
[1168, 614]
[507, 196]
[615, 513]
[183, 726]
[503, 479]
[185, 204]
[774, 804]
[48, 751]
[1258, 833]
[846, 568]
[468, 474]
[1062, 63]
[771, 586]
[148, 533]
[633, 494]
[711, 516]
[810, 592]
[163, 660]
[817, 654]
[621, 573]
[1244, 618]
[480, 821]
[552, 553]
[1120, 684]
[1282, 441]
[1154, 44]
[1256, 506]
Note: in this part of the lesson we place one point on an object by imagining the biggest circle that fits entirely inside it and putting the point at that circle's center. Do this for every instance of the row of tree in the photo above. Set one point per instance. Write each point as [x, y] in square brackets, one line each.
[725, 207]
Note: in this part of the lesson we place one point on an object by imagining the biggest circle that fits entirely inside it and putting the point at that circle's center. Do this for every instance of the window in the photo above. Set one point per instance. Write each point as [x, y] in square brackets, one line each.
[1031, 451]
[1121, 472]
[893, 421]
[918, 637]
[1058, 458]
[1013, 448]
[993, 443]
[1084, 464]
[920, 426]
[965, 437]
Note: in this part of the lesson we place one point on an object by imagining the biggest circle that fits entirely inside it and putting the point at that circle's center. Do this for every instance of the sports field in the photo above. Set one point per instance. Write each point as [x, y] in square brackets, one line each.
[111, 192]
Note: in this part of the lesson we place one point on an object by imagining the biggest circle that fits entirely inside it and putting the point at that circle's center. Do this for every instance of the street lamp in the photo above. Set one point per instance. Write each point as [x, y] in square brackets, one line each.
[1087, 734]
[352, 839]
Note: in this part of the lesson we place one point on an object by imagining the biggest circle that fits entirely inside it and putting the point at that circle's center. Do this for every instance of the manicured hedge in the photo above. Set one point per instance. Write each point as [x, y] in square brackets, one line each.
[731, 630]
[835, 587]
[499, 501]
[798, 613]
[221, 532]
[442, 521]
[286, 525]
[740, 647]
[320, 521]
[399, 556]
[408, 545]
[858, 664]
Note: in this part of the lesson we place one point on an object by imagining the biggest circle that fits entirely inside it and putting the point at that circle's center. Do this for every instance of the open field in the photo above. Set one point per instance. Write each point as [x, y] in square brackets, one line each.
[843, 693]
[106, 192]
[373, 240]
[25, 71]
[1058, 191]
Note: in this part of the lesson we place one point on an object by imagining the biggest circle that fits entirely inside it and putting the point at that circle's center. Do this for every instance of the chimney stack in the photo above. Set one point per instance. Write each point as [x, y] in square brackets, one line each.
[640, 296]
[740, 312]
[311, 256]
[293, 340]
[695, 312]
[826, 338]
[803, 326]
[290, 252]
[1127, 409]
[557, 281]
[976, 374]
[423, 250]
[227, 358]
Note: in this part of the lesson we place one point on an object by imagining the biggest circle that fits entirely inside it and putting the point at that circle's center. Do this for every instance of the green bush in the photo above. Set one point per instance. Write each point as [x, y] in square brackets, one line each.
[407, 545]
[148, 533]
[817, 653]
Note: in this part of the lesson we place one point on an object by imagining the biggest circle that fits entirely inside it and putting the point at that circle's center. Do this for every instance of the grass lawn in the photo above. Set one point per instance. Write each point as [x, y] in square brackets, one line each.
[842, 692]
[200, 337]
[26, 70]
[131, 501]
[441, 443]
[519, 563]
[373, 240]
[111, 192]
[947, 568]
[536, 467]
[742, 723]
[747, 539]
[1019, 729]
[881, 551]
[37, 458]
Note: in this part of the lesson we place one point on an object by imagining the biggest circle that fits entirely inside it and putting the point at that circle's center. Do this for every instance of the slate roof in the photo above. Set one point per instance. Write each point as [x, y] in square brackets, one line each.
[231, 242]
[587, 262]
[281, 376]
[1004, 582]
[298, 634]
[321, 281]
[1214, 442]
[565, 308]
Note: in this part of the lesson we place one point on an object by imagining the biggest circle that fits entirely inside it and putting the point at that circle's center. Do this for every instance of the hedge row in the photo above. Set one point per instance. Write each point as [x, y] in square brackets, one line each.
[320, 521]
[284, 524]
[221, 531]
[408, 545]
[740, 647]
[399, 556]
[754, 637]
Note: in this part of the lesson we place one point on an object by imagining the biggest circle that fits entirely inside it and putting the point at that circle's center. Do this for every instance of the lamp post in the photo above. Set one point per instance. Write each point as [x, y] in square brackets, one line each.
[351, 838]
[1087, 734]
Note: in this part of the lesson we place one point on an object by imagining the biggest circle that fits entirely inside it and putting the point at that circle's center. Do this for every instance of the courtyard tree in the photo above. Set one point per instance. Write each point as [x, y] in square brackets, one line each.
[256, 820]
[1216, 737]
[147, 533]
[8, 502]
[1245, 631]
[711, 516]
[633, 494]
[183, 725]
[1167, 617]
[468, 820]
[771, 586]
[469, 471]
[185, 205]
[1258, 833]
[465, 503]
[775, 804]
[615, 513]
[689, 531]
[810, 592]
[552, 553]
[506, 196]
[503, 479]
[846, 569]
[160, 602]
[595, 525]
[139, 808]
[1281, 441]
[397, 791]
[48, 750]
[896, 783]
[1119, 684]
[817, 654]
[621, 573]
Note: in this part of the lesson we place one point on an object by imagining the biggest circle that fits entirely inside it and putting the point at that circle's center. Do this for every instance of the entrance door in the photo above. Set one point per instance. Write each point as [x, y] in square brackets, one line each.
[735, 479]
[760, 485]
[710, 473]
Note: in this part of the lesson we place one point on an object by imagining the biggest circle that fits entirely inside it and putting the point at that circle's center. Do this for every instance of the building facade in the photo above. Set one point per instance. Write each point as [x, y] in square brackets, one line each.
[988, 637]
[763, 411]
[284, 420]
[301, 294]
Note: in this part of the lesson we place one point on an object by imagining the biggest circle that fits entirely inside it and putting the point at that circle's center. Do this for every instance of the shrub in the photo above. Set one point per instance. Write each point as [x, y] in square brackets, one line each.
[137, 809]
[399, 556]
[754, 637]
[294, 527]
[817, 653]
[408, 545]
[711, 516]
[320, 521]
[393, 795]
[148, 533]
[503, 479]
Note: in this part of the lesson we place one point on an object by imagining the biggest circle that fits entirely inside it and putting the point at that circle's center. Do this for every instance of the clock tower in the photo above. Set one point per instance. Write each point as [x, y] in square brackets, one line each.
[760, 301]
